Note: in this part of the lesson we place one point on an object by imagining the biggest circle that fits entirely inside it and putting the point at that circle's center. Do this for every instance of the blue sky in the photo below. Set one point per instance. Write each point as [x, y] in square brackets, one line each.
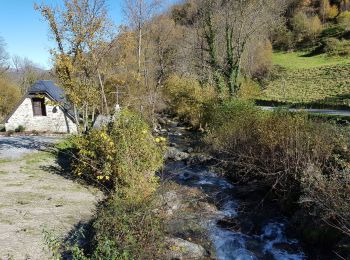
[27, 34]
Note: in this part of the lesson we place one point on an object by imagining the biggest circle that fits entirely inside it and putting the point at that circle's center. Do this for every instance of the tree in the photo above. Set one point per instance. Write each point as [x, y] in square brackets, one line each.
[138, 12]
[9, 96]
[328, 11]
[82, 31]
[3, 57]
[235, 23]
[27, 73]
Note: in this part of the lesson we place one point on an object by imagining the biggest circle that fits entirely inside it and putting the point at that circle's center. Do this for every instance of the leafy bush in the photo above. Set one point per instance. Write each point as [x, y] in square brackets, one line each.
[20, 129]
[332, 31]
[123, 156]
[335, 47]
[187, 98]
[344, 20]
[249, 90]
[9, 96]
[257, 63]
[282, 39]
[126, 229]
[306, 28]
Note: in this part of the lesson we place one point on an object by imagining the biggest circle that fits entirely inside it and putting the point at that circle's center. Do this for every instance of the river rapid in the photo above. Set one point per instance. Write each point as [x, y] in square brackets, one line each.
[265, 239]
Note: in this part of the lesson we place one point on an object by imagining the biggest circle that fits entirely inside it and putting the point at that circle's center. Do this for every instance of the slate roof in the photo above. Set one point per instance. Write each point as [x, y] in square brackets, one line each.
[47, 86]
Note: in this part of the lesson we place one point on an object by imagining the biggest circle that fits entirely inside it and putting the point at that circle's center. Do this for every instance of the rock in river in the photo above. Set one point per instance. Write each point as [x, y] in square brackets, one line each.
[175, 154]
[183, 249]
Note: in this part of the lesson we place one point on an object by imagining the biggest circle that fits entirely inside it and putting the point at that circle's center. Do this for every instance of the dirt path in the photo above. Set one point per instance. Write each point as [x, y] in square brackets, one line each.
[34, 198]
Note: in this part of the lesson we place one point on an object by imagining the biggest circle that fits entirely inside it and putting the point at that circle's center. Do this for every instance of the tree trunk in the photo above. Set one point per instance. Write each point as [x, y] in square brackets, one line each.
[103, 94]
[76, 117]
[139, 50]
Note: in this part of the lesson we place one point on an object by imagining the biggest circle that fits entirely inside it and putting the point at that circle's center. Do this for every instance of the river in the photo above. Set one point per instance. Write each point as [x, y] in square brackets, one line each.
[230, 238]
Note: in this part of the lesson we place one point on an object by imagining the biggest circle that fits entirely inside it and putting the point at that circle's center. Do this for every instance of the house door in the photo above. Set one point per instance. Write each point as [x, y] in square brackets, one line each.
[39, 108]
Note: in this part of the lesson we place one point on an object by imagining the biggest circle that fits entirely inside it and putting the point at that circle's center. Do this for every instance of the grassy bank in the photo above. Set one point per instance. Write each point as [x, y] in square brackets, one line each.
[298, 79]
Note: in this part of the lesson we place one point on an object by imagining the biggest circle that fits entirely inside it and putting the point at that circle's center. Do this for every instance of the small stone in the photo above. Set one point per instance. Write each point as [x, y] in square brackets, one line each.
[190, 150]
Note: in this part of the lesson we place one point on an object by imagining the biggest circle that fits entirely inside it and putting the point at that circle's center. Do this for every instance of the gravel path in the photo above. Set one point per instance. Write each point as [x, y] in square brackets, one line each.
[34, 197]
[16, 147]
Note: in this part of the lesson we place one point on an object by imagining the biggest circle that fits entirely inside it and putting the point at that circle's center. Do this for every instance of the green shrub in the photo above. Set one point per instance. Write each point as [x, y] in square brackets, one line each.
[9, 96]
[306, 28]
[187, 98]
[124, 156]
[126, 229]
[20, 129]
[249, 90]
[2, 128]
[332, 31]
[282, 38]
[335, 47]
[344, 20]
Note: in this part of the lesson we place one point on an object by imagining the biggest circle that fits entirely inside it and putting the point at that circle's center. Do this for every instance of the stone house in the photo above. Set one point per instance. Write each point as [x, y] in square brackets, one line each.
[44, 109]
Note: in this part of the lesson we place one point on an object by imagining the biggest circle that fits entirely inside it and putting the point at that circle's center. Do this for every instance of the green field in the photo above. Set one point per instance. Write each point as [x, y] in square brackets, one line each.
[316, 80]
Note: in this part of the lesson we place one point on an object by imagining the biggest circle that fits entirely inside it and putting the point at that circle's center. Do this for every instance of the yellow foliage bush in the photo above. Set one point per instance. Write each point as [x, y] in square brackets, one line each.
[332, 12]
[249, 90]
[123, 156]
[187, 98]
[9, 96]
[344, 20]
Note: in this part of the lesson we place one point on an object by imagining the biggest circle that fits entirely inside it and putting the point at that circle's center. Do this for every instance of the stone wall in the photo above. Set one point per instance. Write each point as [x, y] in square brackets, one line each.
[55, 121]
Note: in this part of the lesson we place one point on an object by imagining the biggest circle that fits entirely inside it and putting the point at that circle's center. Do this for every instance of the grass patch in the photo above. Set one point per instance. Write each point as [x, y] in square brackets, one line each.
[38, 157]
[4, 160]
[313, 81]
[28, 197]
[300, 60]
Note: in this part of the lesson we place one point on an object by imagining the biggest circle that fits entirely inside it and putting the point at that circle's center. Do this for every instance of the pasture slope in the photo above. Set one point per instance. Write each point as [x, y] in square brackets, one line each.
[314, 81]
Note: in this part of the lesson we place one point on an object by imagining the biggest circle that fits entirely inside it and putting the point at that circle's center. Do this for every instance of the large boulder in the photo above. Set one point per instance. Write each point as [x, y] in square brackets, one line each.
[199, 159]
[102, 121]
[183, 249]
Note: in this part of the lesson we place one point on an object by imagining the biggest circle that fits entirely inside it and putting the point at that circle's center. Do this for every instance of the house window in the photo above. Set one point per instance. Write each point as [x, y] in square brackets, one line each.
[39, 108]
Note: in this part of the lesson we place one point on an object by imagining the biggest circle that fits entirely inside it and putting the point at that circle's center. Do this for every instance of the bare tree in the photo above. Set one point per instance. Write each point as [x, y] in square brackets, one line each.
[3, 57]
[138, 12]
[27, 72]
